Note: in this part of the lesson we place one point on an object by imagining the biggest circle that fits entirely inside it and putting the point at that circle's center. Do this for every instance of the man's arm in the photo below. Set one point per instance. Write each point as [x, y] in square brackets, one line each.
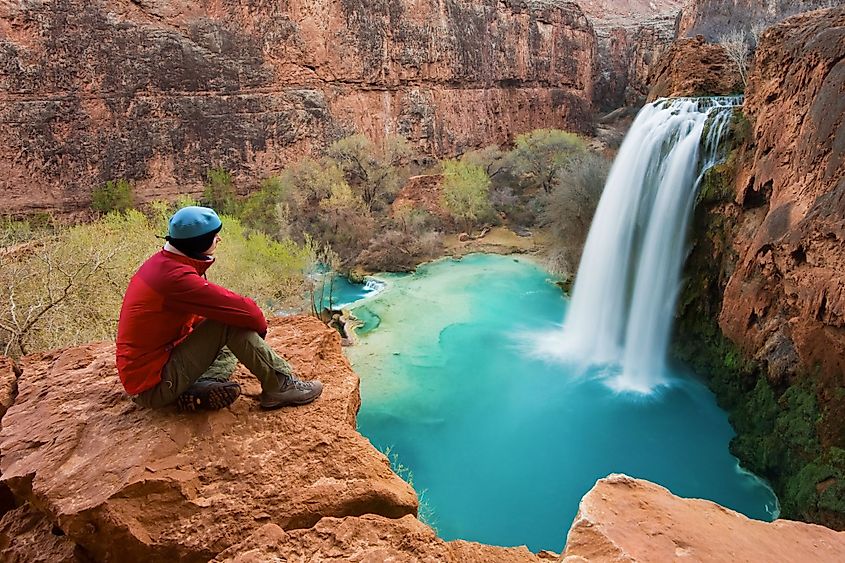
[191, 293]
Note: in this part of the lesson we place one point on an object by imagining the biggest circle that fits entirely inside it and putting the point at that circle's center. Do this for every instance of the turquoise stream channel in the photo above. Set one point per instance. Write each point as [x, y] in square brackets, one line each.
[503, 444]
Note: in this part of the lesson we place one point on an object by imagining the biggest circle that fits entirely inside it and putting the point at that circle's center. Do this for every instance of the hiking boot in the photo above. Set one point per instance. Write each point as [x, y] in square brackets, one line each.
[291, 392]
[208, 396]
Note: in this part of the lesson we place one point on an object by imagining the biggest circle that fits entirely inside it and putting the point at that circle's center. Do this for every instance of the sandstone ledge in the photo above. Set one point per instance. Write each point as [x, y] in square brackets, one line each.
[626, 520]
[163, 486]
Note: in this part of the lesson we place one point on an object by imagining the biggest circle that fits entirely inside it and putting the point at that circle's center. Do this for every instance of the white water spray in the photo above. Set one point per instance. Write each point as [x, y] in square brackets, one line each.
[624, 297]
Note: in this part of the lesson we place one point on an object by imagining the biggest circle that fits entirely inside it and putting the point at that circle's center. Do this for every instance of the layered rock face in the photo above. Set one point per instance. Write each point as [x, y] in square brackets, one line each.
[625, 520]
[159, 92]
[711, 18]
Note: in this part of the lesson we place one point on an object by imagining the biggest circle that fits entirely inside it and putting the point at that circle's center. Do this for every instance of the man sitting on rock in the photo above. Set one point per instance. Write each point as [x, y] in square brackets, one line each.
[176, 329]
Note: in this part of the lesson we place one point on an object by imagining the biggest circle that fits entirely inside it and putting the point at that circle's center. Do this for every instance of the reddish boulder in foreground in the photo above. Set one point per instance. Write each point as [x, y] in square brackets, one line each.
[626, 520]
[163, 486]
[367, 538]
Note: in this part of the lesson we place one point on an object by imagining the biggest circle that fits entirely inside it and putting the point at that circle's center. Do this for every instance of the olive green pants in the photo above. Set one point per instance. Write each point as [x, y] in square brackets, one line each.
[211, 352]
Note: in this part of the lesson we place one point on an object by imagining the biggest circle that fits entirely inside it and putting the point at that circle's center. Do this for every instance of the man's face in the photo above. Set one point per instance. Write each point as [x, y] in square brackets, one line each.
[213, 247]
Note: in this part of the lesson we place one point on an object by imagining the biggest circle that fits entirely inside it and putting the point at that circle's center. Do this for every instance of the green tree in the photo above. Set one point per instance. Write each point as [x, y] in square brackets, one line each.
[371, 170]
[114, 195]
[219, 192]
[465, 191]
[540, 154]
[265, 210]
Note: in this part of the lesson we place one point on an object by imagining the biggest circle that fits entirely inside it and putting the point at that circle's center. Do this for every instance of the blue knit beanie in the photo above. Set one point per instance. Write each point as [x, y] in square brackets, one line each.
[193, 221]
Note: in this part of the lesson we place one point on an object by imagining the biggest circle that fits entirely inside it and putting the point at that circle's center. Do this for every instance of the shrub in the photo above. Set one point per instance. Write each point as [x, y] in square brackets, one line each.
[219, 192]
[396, 251]
[465, 192]
[371, 170]
[568, 211]
[65, 288]
[540, 154]
[114, 195]
[265, 210]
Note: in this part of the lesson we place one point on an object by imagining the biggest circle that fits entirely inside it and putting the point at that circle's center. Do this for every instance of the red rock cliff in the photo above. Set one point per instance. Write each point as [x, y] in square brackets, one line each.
[785, 303]
[158, 92]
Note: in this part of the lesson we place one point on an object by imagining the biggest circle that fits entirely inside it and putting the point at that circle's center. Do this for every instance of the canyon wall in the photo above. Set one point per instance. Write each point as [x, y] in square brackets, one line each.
[769, 263]
[157, 92]
[631, 36]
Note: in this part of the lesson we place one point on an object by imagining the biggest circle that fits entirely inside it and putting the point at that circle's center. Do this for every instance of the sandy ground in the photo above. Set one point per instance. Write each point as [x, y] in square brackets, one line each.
[499, 240]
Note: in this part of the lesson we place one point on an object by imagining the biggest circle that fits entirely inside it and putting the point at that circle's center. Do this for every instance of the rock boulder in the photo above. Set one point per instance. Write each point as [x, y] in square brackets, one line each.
[626, 520]
[692, 67]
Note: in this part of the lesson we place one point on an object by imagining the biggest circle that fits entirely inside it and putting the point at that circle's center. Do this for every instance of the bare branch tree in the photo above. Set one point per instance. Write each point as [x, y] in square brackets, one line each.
[735, 44]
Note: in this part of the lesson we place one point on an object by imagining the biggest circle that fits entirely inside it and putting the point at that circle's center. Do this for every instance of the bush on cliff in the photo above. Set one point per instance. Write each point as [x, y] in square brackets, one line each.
[114, 195]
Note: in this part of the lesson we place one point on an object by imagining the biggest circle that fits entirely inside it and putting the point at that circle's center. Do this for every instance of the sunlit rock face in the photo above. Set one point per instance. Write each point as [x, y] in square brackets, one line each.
[124, 482]
[159, 92]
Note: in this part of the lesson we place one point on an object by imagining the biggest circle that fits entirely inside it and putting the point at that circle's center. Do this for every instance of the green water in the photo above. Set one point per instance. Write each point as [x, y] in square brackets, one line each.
[503, 444]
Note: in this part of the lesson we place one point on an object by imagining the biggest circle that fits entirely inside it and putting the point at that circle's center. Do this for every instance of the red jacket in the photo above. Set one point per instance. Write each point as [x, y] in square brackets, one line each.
[166, 298]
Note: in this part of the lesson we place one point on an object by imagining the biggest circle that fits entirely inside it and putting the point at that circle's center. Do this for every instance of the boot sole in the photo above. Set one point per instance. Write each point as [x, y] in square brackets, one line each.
[215, 399]
[271, 406]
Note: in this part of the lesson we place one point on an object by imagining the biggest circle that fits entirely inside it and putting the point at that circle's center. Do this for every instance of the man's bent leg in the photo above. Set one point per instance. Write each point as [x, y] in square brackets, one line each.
[279, 386]
[222, 368]
[188, 362]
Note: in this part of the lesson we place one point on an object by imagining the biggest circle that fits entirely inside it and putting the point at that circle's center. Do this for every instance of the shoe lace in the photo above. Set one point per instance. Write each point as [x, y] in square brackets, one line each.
[301, 385]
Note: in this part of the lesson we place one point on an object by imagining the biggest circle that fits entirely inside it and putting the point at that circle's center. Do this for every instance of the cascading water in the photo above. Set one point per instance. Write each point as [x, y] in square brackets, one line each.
[627, 284]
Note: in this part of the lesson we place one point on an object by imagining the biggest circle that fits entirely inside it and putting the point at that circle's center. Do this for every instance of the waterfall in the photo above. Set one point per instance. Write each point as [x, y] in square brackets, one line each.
[627, 285]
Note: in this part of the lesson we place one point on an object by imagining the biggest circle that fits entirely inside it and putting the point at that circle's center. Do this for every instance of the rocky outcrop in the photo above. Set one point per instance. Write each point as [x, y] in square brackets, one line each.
[625, 520]
[789, 290]
[712, 18]
[367, 538]
[159, 92]
[162, 486]
[28, 536]
[768, 263]
[692, 67]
